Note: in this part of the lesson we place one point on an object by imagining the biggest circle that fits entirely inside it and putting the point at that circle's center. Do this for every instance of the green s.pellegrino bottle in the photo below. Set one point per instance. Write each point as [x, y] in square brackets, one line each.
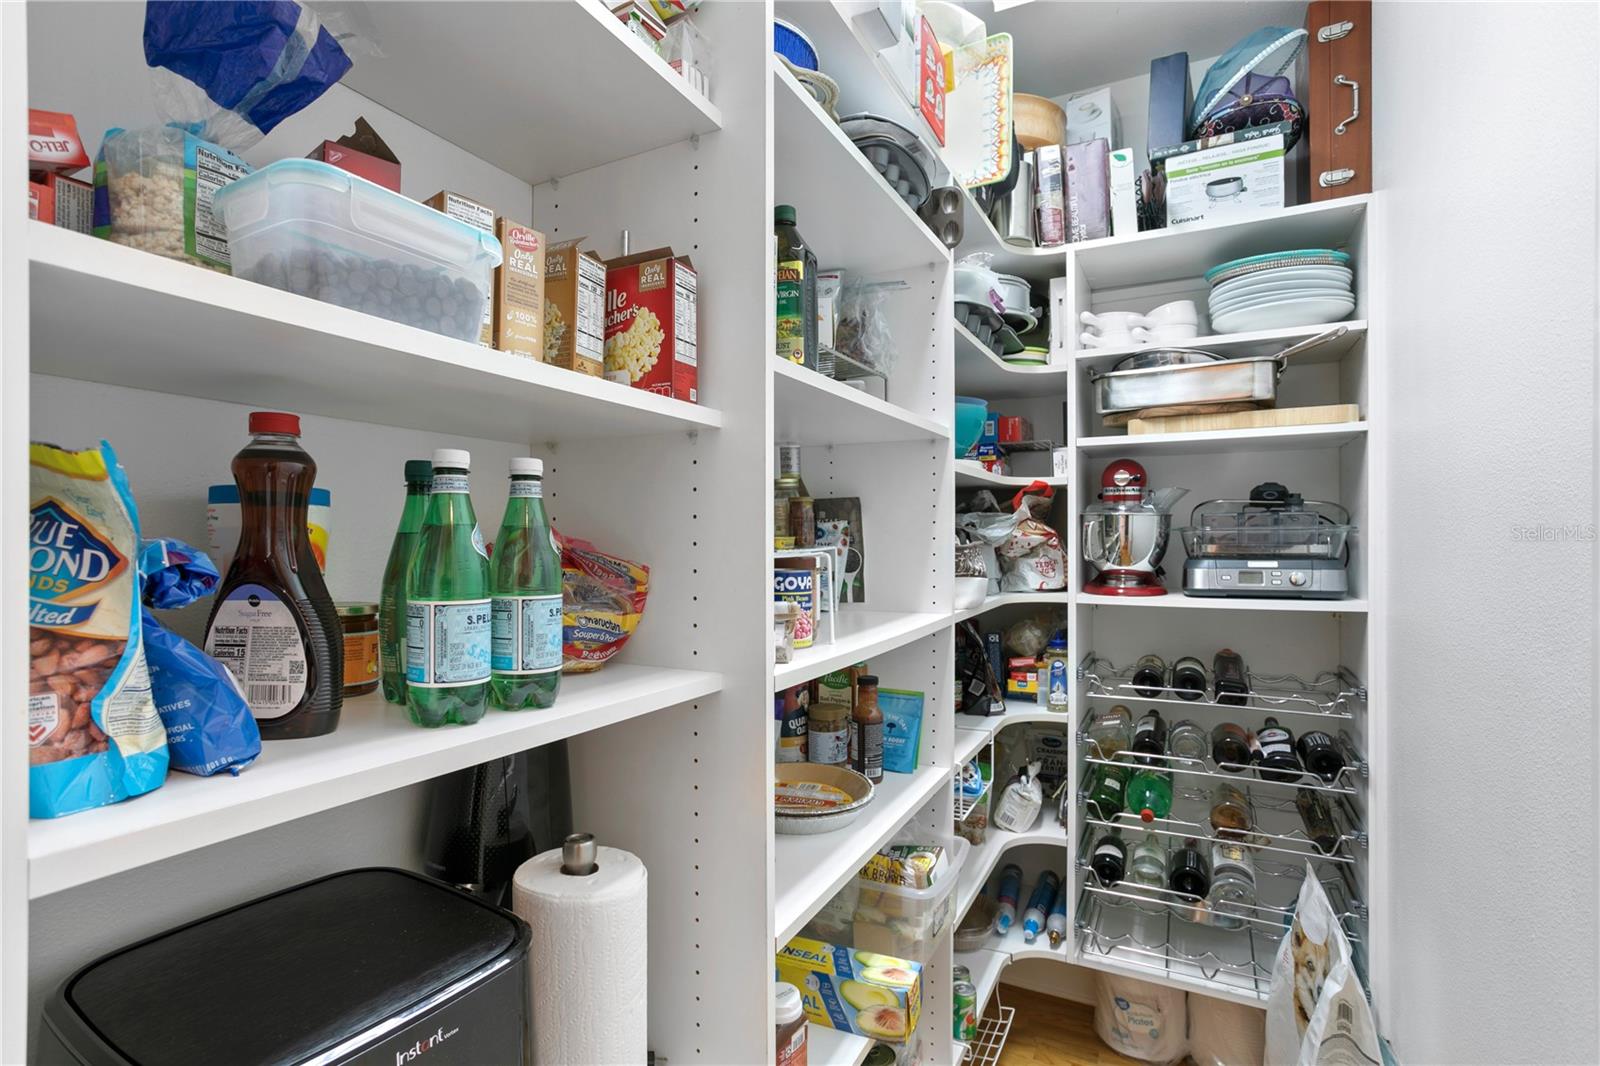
[447, 604]
[392, 598]
[526, 586]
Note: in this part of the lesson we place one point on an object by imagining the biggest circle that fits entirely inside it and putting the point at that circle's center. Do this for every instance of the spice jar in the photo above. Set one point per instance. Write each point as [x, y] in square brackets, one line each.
[359, 621]
[803, 521]
[828, 734]
[791, 1021]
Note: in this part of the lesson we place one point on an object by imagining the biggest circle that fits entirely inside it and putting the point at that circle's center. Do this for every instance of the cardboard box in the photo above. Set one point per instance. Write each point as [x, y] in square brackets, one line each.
[54, 146]
[651, 324]
[574, 308]
[1050, 195]
[1226, 177]
[1171, 97]
[1092, 115]
[1124, 193]
[62, 201]
[378, 171]
[519, 290]
[477, 216]
[862, 992]
[1088, 191]
[1022, 677]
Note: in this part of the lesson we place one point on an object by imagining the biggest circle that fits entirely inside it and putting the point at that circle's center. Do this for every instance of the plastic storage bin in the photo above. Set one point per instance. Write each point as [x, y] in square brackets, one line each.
[315, 230]
[893, 919]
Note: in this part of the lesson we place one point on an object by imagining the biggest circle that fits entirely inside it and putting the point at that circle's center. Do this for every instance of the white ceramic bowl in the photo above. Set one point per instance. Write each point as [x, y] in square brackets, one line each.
[970, 592]
[1178, 312]
[1112, 321]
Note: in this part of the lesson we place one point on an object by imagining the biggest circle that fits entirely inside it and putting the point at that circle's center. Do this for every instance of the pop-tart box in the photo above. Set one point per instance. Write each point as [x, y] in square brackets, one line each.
[861, 992]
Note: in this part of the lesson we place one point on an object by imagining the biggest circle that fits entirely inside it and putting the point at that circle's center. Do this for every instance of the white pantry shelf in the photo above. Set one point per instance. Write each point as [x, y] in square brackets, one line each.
[860, 634]
[810, 869]
[847, 211]
[968, 741]
[981, 373]
[106, 313]
[973, 732]
[982, 862]
[812, 409]
[1059, 597]
[1239, 345]
[375, 749]
[970, 474]
[540, 90]
[1035, 264]
[1177, 601]
[835, 1047]
[1190, 251]
[1227, 441]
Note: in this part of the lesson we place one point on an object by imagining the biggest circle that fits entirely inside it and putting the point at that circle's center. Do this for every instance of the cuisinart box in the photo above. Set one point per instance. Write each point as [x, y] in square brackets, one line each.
[372, 967]
[1225, 176]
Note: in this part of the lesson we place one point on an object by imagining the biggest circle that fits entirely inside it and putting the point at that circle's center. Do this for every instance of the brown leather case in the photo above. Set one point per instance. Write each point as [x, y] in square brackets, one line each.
[1339, 97]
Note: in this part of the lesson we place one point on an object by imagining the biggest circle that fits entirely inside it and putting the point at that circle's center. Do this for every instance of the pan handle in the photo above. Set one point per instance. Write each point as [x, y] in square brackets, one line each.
[1311, 342]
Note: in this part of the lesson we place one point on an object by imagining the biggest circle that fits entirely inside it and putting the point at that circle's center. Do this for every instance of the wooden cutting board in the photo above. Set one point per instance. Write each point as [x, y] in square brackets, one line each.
[1280, 416]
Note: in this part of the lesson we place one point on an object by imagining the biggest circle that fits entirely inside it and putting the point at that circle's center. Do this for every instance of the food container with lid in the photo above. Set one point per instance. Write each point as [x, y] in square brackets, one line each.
[903, 920]
[371, 967]
[315, 230]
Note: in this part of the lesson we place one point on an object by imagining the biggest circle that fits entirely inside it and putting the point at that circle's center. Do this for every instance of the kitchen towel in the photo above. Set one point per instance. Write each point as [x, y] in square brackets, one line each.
[587, 961]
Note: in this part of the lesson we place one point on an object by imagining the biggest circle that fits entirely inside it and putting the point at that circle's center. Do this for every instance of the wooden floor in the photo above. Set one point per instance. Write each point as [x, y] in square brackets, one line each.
[1054, 1032]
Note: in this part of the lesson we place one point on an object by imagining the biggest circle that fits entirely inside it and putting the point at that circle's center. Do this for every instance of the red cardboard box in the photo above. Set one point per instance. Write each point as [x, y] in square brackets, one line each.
[54, 146]
[378, 171]
[62, 201]
[652, 325]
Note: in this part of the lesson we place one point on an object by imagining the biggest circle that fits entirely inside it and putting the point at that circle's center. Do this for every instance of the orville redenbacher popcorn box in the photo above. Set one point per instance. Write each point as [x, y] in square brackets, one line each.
[651, 323]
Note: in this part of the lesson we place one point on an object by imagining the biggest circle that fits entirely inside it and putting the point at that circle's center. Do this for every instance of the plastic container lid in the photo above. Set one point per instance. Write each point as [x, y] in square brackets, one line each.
[786, 998]
[274, 422]
[363, 947]
[523, 465]
[419, 469]
[452, 459]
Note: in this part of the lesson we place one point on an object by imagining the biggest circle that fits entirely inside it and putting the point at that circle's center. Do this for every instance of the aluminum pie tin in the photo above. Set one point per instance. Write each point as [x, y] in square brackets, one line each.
[798, 820]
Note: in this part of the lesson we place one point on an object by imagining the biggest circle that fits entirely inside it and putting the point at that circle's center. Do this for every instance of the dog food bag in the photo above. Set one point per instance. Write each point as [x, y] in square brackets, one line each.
[1225, 1034]
[1317, 1013]
[94, 736]
[1139, 1019]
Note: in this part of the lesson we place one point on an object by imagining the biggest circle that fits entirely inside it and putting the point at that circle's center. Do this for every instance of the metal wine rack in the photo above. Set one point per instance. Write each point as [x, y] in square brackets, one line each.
[1336, 694]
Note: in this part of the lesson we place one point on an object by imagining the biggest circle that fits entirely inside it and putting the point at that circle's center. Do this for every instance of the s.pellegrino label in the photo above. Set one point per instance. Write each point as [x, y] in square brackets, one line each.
[527, 634]
[447, 642]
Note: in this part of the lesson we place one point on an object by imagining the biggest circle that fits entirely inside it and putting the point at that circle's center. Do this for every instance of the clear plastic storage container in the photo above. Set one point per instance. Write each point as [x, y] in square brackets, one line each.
[315, 230]
[895, 920]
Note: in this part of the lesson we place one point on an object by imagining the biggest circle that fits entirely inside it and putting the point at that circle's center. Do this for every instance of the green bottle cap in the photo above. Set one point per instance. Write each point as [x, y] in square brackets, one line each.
[419, 469]
[784, 213]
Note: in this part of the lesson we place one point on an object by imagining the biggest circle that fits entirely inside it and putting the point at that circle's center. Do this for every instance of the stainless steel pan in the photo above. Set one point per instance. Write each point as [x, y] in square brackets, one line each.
[1249, 380]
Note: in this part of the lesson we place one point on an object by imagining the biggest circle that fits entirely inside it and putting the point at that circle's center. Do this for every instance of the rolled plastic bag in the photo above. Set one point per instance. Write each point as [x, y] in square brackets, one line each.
[209, 725]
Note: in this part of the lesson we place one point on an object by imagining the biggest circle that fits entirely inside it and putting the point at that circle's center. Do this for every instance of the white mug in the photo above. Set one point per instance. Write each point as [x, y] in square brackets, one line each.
[1172, 334]
[1106, 340]
[1108, 322]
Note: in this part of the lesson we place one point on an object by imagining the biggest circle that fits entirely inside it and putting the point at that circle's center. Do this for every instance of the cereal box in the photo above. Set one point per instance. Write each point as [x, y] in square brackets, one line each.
[519, 290]
[574, 308]
[651, 324]
[861, 992]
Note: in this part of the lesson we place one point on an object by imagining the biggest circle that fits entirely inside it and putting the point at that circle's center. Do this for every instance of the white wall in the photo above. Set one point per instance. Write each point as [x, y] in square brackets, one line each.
[1490, 207]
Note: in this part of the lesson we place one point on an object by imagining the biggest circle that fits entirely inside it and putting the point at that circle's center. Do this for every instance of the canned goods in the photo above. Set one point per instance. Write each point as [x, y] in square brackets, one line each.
[959, 973]
[797, 582]
[965, 996]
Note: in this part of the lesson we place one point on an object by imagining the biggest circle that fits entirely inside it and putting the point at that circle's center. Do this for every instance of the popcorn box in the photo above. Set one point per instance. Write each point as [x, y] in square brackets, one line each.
[862, 992]
[652, 325]
[519, 290]
[574, 308]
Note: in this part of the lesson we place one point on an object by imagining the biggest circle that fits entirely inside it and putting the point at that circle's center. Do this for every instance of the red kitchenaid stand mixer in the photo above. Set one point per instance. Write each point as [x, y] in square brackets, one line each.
[1125, 535]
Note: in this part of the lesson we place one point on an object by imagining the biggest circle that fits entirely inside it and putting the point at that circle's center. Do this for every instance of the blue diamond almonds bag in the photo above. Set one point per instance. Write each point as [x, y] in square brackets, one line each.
[94, 736]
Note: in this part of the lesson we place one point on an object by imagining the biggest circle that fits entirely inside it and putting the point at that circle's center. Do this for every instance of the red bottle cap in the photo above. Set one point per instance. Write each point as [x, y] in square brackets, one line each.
[274, 422]
[1147, 815]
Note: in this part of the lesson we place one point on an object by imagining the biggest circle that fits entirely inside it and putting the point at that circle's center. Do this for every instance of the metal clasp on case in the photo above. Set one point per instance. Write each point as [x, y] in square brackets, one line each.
[1329, 178]
[1335, 31]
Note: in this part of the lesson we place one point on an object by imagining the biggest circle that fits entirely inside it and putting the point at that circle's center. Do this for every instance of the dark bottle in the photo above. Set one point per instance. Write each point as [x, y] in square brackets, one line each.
[392, 598]
[1321, 755]
[1277, 761]
[1317, 819]
[866, 731]
[1149, 738]
[1106, 791]
[1189, 678]
[1230, 679]
[1110, 858]
[1230, 747]
[273, 624]
[1189, 873]
[1150, 676]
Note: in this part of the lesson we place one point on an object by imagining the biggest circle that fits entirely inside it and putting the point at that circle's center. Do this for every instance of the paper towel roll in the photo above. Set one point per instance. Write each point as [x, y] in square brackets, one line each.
[587, 962]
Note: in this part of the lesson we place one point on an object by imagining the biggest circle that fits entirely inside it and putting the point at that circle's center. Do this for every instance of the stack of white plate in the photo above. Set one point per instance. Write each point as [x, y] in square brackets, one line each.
[1281, 290]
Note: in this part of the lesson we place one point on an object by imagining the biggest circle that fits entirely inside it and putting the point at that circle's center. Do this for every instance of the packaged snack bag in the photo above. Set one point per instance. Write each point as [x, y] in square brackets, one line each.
[94, 736]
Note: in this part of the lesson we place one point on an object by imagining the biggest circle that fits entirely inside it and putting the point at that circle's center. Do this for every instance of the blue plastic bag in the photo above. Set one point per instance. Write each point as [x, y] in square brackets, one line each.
[902, 729]
[209, 724]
